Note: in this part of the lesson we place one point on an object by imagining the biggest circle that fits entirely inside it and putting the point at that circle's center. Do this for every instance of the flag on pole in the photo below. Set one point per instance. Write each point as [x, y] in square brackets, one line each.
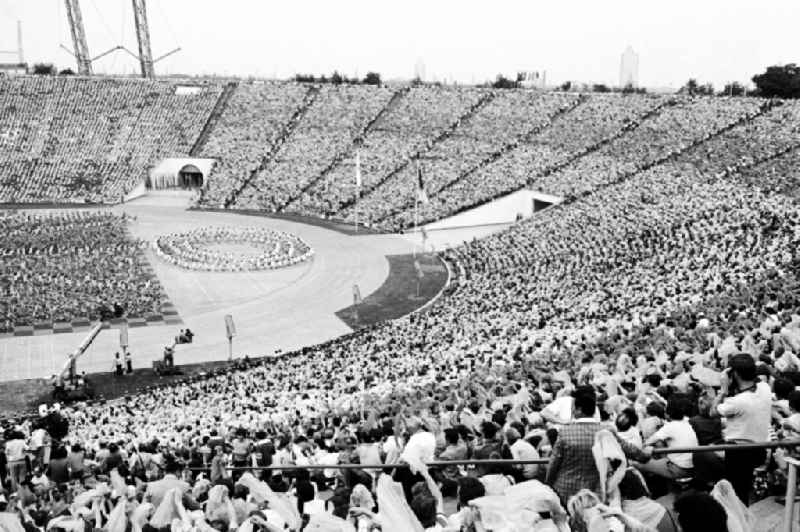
[123, 336]
[418, 269]
[422, 196]
[358, 169]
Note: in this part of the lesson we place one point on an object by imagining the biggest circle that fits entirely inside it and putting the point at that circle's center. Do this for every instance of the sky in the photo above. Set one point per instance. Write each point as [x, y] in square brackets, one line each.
[456, 40]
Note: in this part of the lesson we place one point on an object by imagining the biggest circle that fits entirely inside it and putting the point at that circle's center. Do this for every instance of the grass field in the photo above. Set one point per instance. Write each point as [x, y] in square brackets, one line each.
[403, 291]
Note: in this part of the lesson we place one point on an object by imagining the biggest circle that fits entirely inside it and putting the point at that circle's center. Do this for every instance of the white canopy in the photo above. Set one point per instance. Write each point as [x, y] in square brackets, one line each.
[167, 173]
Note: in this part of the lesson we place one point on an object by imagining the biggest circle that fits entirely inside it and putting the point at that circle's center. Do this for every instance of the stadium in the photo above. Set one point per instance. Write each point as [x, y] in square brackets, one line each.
[327, 304]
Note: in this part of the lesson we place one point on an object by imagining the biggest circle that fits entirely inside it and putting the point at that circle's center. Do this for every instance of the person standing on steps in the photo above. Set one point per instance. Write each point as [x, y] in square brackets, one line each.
[572, 465]
[117, 365]
[746, 405]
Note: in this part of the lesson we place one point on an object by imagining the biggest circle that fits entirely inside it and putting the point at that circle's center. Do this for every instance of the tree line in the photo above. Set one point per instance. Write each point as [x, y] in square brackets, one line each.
[49, 69]
[372, 78]
[775, 82]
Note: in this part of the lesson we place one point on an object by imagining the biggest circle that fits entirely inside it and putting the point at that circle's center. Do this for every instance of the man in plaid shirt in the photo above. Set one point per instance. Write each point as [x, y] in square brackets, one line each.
[572, 466]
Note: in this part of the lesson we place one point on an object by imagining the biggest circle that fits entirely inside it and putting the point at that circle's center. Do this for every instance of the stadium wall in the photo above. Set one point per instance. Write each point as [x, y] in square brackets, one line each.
[137, 192]
[504, 210]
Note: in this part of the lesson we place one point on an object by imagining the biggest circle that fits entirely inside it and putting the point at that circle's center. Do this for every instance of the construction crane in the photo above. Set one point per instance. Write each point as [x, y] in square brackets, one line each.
[80, 50]
[79, 47]
[69, 370]
[143, 37]
[66, 384]
[145, 58]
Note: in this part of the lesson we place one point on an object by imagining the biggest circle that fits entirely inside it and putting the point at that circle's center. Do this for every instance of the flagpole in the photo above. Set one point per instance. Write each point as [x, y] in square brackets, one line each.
[416, 222]
[416, 206]
[414, 242]
[358, 184]
[416, 216]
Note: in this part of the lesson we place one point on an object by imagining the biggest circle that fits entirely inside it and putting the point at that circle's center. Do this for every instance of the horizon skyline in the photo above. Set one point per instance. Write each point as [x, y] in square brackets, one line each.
[583, 44]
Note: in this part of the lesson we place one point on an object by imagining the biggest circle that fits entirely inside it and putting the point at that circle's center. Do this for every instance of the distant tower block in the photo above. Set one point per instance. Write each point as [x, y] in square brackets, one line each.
[20, 55]
[629, 68]
[419, 70]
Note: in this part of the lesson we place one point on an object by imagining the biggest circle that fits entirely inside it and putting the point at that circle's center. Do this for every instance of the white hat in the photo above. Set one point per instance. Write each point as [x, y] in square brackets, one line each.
[274, 518]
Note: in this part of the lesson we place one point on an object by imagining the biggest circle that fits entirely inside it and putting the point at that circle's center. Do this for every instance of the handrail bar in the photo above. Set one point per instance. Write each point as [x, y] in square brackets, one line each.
[539, 461]
[447, 463]
[728, 447]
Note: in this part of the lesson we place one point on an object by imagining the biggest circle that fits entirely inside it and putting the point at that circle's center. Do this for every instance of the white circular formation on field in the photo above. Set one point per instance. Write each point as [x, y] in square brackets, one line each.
[232, 249]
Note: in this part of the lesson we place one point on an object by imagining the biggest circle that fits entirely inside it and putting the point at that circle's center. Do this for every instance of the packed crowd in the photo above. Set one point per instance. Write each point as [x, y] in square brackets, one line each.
[74, 140]
[599, 155]
[338, 116]
[501, 122]
[779, 174]
[678, 127]
[658, 306]
[177, 474]
[292, 147]
[469, 146]
[59, 267]
[487, 144]
[409, 127]
[232, 249]
[250, 125]
[663, 311]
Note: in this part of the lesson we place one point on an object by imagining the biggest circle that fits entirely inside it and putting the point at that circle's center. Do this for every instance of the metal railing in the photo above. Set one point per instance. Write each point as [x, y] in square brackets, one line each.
[791, 485]
[728, 447]
[791, 491]
[398, 465]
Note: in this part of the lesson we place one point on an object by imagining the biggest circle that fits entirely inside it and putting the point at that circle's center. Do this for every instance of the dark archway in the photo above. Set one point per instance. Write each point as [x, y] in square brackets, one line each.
[190, 176]
[539, 205]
